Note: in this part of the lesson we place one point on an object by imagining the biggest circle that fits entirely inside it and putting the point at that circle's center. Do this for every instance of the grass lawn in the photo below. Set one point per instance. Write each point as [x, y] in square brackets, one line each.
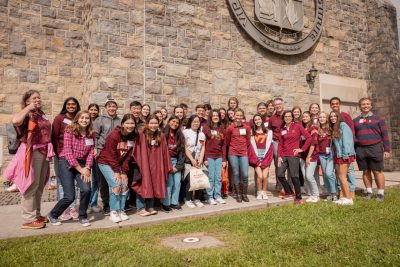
[322, 234]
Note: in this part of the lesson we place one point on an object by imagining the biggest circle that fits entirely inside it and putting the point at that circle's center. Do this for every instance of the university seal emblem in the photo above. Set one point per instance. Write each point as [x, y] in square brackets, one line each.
[287, 27]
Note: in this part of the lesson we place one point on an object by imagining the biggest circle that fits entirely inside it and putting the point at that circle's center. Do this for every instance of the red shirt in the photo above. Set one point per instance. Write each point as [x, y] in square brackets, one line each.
[289, 139]
[275, 123]
[57, 132]
[348, 120]
[324, 141]
[172, 149]
[78, 148]
[238, 139]
[116, 151]
[313, 131]
[215, 143]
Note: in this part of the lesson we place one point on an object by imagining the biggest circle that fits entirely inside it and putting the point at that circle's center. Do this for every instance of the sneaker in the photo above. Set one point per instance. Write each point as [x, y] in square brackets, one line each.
[312, 199]
[380, 197]
[65, 216]
[114, 216]
[53, 221]
[282, 193]
[106, 210]
[176, 207]
[220, 201]
[259, 195]
[264, 195]
[95, 209]
[74, 213]
[190, 204]
[212, 201]
[298, 201]
[345, 201]
[84, 222]
[152, 211]
[224, 196]
[165, 208]
[143, 213]
[12, 189]
[123, 216]
[198, 203]
[368, 196]
[89, 210]
[42, 219]
[33, 225]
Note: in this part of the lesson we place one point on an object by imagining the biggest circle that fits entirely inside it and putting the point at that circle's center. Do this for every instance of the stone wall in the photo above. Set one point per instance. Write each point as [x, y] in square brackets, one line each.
[164, 52]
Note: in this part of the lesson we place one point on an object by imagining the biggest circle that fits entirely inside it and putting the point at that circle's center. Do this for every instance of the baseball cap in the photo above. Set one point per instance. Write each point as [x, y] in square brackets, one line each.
[111, 100]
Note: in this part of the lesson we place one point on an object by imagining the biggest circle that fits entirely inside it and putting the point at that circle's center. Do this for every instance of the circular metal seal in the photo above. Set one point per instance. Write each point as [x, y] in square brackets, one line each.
[191, 240]
[287, 11]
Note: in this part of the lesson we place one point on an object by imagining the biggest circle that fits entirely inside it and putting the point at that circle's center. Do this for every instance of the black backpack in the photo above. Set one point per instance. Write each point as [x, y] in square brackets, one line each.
[13, 138]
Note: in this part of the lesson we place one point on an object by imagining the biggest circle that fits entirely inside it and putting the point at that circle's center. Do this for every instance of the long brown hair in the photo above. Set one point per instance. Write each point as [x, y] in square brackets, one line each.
[75, 128]
[211, 124]
[335, 127]
[149, 135]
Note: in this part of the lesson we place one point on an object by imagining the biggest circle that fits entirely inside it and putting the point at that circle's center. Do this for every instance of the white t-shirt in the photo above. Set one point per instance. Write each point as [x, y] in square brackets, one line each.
[190, 137]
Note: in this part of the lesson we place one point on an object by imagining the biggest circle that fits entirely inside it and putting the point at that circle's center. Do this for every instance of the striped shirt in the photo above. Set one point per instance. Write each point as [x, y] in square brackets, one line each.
[78, 148]
[371, 130]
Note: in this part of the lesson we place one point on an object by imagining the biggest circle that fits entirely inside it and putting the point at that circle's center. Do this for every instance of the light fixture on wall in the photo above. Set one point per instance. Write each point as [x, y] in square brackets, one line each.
[310, 77]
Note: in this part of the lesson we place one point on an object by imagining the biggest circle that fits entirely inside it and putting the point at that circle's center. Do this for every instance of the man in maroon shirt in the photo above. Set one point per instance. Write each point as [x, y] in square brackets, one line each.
[335, 106]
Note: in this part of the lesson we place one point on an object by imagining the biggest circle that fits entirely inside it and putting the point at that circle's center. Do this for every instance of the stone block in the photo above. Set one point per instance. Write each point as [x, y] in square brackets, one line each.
[100, 98]
[49, 12]
[135, 77]
[155, 30]
[224, 82]
[109, 27]
[153, 87]
[168, 89]
[132, 52]
[155, 8]
[29, 76]
[182, 91]
[4, 3]
[204, 34]
[119, 15]
[179, 71]
[153, 52]
[17, 46]
[42, 2]
[186, 9]
[55, 23]
[118, 62]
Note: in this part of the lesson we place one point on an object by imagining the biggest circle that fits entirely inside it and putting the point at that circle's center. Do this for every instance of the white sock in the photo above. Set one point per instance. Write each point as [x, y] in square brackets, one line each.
[369, 190]
[381, 191]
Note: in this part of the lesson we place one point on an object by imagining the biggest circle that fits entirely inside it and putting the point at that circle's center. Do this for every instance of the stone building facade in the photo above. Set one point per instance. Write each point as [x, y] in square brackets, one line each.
[164, 52]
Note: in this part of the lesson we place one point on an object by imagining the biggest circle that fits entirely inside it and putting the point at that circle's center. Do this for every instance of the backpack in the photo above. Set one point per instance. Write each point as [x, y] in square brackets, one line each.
[13, 138]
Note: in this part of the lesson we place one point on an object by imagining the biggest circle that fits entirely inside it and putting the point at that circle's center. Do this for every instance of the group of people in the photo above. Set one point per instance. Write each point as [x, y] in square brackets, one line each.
[145, 157]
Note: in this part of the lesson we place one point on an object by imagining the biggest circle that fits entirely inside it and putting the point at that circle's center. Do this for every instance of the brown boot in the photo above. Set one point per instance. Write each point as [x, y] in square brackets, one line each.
[238, 194]
[352, 195]
[244, 193]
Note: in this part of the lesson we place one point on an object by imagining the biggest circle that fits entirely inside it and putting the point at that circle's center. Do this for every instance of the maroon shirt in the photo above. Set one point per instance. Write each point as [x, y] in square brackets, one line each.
[172, 149]
[57, 132]
[348, 120]
[313, 131]
[275, 123]
[289, 139]
[324, 141]
[238, 139]
[116, 151]
[215, 143]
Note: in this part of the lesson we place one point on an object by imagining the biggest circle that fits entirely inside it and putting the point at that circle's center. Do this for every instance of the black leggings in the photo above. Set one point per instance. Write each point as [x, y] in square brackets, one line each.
[292, 165]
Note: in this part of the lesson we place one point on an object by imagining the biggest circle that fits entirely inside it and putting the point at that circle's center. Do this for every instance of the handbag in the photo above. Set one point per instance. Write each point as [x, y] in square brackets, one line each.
[187, 160]
[198, 179]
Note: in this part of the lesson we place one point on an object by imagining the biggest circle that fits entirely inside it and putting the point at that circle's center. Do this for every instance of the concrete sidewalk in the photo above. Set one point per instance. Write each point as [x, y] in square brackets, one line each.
[11, 220]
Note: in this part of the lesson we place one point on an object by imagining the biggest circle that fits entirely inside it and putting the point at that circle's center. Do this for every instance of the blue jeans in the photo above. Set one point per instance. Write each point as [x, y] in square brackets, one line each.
[310, 174]
[214, 176]
[173, 187]
[328, 170]
[68, 177]
[351, 178]
[60, 190]
[95, 189]
[239, 163]
[142, 202]
[117, 199]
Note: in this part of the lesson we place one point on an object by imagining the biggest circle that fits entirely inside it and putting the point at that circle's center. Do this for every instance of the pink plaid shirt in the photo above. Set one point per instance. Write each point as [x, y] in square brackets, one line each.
[78, 148]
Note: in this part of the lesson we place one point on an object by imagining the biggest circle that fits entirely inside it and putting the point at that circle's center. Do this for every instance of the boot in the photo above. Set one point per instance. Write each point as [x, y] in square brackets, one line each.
[352, 195]
[238, 194]
[244, 193]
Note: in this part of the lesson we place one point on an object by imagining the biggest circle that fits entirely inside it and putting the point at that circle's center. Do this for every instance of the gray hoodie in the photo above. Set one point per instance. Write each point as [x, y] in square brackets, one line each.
[103, 126]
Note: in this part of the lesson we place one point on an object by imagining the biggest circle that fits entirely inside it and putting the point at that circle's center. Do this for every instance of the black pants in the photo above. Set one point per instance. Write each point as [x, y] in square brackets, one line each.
[131, 200]
[291, 164]
[68, 176]
[191, 195]
[103, 185]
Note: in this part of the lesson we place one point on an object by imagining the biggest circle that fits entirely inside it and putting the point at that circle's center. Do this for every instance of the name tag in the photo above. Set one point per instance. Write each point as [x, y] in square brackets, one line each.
[153, 142]
[242, 131]
[44, 117]
[362, 120]
[130, 143]
[302, 138]
[214, 133]
[265, 124]
[328, 150]
[67, 121]
[283, 132]
[89, 142]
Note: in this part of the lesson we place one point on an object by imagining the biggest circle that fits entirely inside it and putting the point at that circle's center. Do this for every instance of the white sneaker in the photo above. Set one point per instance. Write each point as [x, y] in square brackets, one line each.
[114, 216]
[198, 203]
[345, 201]
[312, 199]
[123, 216]
[259, 195]
[220, 201]
[96, 209]
[212, 201]
[190, 204]
[264, 195]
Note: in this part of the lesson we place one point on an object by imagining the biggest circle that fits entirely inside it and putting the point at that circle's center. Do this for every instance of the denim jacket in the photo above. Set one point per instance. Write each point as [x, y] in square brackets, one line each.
[345, 145]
